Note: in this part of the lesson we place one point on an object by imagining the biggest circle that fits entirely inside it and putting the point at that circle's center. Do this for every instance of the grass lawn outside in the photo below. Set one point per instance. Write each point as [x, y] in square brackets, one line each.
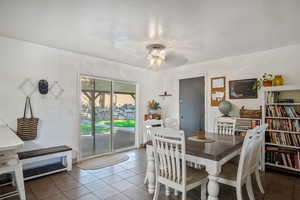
[87, 128]
[121, 123]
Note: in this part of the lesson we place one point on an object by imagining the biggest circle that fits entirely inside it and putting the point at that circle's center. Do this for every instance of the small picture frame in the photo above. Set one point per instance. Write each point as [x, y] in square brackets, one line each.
[242, 89]
[218, 93]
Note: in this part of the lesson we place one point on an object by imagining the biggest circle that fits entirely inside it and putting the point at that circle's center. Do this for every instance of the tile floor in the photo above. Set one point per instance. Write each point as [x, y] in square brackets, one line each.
[125, 182]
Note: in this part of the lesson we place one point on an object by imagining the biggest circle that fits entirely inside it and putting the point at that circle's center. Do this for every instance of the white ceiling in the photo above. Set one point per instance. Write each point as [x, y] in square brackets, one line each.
[119, 30]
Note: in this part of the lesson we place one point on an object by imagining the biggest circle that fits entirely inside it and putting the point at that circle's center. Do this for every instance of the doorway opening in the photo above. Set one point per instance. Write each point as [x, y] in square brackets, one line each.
[107, 116]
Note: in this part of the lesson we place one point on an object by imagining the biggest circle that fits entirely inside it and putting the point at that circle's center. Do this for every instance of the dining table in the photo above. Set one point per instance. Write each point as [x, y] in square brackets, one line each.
[211, 154]
[9, 144]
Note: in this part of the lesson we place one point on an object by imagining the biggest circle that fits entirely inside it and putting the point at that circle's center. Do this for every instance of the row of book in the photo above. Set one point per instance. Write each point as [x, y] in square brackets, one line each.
[283, 157]
[272, 97]
[284, 125]
[289, 139]
[247, 124]
[281, 111]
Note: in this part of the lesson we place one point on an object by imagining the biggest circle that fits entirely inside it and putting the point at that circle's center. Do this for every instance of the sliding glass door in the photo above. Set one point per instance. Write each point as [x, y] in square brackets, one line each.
[107, 118]
[123, 115]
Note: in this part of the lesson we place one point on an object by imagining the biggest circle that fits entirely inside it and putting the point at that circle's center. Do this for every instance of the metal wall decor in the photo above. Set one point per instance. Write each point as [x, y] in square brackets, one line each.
[56, 90]
[29, 87]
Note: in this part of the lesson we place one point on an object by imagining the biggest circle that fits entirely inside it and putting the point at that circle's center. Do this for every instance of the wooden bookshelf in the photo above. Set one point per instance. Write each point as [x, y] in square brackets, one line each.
[282, 145]
[282, 114]
[283, 167]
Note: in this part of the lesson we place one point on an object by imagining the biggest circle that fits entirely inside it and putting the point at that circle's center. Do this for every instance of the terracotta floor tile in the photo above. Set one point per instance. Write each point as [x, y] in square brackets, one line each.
[44, 191]
[59, 196]
[105, 192]
[95, 186]
[87, 179]
[90, 196]
[122, 185]
[117, 197]
[125, 181]
[76, 193]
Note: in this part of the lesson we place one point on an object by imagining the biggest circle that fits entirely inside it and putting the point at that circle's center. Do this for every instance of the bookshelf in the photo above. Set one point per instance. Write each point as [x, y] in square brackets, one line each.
[282, 114]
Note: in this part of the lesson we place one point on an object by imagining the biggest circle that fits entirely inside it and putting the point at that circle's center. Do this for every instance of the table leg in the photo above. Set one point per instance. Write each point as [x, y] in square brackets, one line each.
[150, 170]
[213, 187]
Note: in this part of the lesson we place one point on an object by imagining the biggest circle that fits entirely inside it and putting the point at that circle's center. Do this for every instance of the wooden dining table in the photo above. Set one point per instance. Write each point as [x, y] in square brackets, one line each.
[211, 155]
[9, 143]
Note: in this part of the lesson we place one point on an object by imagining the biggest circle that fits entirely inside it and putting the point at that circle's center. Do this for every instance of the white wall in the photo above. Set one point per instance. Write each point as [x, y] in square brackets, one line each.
[285, 61]
[59, 117]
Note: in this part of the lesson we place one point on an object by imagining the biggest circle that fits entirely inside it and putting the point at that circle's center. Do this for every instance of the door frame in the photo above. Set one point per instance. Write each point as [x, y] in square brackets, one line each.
[203, 74]
[137, 103]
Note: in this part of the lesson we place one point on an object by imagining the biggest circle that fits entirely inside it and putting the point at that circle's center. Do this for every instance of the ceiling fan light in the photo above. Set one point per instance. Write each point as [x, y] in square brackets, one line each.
[156, 55]
[159, 61]
[152, 61]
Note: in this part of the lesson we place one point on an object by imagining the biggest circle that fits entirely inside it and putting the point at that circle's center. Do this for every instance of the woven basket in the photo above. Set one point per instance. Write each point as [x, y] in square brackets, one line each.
[254, 114]
[27, 127]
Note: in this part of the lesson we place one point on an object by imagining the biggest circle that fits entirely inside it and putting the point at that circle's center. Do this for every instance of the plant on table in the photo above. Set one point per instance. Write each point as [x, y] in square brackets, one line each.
[153, 107]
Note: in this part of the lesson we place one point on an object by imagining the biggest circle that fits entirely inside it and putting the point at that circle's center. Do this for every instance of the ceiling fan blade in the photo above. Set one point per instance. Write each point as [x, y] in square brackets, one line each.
[175, 59]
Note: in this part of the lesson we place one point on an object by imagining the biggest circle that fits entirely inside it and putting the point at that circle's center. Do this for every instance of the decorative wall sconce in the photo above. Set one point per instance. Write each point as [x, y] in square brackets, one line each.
[165, 94]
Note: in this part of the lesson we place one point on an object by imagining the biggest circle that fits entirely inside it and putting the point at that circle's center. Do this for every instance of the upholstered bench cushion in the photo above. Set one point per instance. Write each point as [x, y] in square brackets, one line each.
[43, 152]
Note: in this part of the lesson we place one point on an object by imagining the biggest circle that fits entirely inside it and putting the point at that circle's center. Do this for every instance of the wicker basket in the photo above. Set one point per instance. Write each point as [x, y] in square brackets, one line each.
[27, 127]
[253, 114]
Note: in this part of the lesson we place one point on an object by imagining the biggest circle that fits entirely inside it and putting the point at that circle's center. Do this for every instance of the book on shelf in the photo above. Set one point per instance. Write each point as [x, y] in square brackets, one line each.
[272, 97]
[281, 111]
[288, 139]
[291, 125]
[283, 157]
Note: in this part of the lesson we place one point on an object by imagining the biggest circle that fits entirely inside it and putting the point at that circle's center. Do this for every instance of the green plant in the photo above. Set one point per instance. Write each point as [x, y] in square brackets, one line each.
[153, 105]
[259, 83]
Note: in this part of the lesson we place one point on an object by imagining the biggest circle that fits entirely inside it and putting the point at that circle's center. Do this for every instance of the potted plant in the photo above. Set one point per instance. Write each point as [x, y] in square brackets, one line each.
[153, 107]
[266, 81]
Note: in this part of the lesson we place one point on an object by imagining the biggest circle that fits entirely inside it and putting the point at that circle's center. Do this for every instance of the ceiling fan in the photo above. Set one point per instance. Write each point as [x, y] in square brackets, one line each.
[156, 54]
[161, 56]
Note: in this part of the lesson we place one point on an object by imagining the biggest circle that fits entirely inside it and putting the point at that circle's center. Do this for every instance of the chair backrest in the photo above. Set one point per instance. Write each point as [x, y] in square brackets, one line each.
[169, 154]
[225, 126]
[153, 122]
[148, 125]
[171, 123]
[251, 151]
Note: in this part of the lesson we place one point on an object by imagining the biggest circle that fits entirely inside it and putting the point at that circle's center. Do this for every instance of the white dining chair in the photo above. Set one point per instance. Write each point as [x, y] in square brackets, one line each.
[148, 124]
[225, 126]
[239, 175]
[171, 123]
[14, 167]
[170, 164]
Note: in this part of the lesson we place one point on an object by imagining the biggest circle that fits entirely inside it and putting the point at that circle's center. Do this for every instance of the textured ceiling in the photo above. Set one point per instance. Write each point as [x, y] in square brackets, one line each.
[119, 30]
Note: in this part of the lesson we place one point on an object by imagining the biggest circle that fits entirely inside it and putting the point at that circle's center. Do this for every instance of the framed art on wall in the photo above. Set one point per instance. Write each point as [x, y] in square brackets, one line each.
[217, 90]
[242, 89]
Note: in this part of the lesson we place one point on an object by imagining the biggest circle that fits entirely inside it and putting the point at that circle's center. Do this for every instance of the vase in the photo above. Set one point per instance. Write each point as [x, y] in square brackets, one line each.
[267, 83]
[278, 80]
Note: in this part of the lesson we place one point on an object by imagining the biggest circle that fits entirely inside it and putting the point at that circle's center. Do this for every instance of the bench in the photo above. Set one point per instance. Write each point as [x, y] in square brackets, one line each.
[39, 155]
